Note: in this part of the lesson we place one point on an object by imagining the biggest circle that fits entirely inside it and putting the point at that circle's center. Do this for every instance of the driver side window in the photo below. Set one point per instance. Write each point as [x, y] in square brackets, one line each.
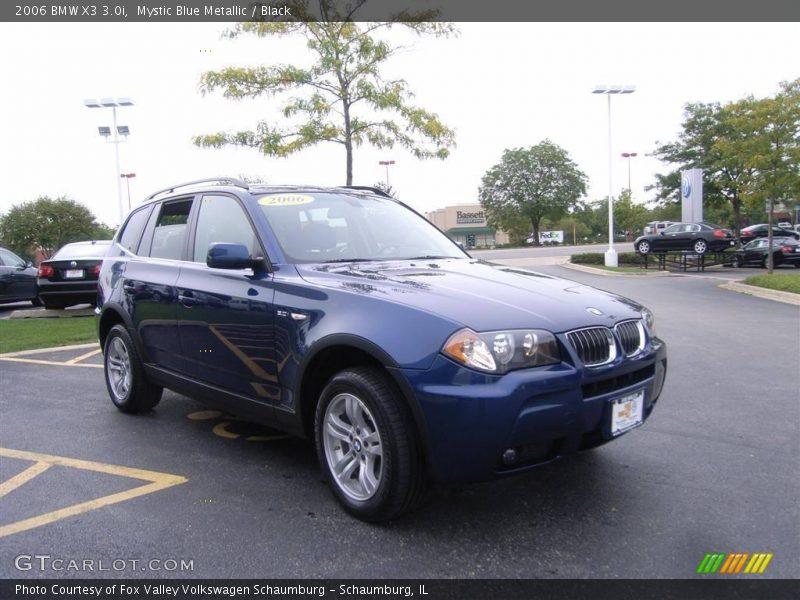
[222, 219]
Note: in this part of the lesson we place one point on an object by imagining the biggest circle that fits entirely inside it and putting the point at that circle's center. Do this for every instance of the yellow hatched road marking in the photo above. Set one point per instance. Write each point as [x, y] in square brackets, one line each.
[36, 361]
[78, 359]
[157, 481]
[17, 480]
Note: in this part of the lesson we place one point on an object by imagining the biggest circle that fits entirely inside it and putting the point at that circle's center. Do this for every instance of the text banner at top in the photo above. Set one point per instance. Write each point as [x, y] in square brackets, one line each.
[398, 10]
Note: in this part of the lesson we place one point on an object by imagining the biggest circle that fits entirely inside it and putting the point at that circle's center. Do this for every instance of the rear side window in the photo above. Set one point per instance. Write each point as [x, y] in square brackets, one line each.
[132, 232]
[9, 259]
[169, 235]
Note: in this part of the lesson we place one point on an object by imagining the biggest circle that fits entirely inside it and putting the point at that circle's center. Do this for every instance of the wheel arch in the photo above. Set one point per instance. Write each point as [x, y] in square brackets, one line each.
[113, 314]
[337, 352]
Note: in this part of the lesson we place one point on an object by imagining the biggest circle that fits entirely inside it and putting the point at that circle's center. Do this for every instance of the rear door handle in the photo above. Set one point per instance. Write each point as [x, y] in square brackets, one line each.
[186, 297]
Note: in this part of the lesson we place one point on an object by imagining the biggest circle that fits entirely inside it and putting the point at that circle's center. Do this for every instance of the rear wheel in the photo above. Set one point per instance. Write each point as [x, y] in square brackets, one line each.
[643, 247]
[52, 305]
[129, 390]
[700, 246]
[366, 445]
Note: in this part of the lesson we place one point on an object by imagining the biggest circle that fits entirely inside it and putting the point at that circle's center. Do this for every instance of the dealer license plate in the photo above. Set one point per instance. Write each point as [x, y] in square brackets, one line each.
[626, 412]
[73, 273]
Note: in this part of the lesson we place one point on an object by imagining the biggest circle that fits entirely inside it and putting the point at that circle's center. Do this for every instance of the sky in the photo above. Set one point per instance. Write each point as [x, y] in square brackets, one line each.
[499, 85]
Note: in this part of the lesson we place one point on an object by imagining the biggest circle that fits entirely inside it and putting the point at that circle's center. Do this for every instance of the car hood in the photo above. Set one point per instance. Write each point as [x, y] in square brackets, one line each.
[481, 295]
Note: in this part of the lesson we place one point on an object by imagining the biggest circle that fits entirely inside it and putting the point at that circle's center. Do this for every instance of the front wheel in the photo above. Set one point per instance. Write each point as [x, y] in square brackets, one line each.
[129, 390]
[366, 445]
[643, 247]
[700, 247]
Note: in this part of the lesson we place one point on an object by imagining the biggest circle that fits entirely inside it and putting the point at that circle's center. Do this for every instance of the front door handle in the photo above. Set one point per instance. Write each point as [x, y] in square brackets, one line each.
[129, 286]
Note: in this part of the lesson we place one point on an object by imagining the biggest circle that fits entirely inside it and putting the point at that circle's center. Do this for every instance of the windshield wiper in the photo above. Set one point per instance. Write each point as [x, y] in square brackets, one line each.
[431, 257]
[345, 260]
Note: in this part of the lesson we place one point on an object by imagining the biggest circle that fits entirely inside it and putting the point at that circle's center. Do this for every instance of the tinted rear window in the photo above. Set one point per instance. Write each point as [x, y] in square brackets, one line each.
[96, 250]
[133, 229]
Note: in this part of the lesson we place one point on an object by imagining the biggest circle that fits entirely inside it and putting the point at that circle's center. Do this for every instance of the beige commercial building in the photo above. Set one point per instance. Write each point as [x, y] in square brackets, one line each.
[466, 223]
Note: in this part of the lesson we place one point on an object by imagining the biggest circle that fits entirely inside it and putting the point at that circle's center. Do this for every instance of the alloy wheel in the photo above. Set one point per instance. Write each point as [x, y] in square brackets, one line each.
[118, 363]
[353, 447]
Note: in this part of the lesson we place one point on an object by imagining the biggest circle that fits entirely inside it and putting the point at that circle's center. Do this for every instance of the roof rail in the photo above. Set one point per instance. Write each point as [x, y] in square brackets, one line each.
[367, 188]
[221, 180]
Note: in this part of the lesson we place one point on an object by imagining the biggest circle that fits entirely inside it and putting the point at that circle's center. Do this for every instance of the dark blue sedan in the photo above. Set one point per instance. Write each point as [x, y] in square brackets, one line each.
[342, 315]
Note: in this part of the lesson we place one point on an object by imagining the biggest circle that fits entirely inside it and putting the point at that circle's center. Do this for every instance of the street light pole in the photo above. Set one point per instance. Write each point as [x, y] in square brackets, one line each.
[113, 103]
[127, 178]
[611, 254]
[629, 156]
[386, 163]
[116, 152]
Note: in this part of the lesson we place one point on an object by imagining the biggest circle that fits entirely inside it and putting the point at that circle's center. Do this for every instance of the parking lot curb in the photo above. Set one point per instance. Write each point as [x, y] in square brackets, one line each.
[46, 350]
[752, 290]
[595, 271]
[38, 313]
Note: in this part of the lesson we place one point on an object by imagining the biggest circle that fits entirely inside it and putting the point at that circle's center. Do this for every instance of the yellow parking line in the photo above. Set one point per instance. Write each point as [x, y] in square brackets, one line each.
[78, 359]
[158, 481]
[17, 480]
[36, 361]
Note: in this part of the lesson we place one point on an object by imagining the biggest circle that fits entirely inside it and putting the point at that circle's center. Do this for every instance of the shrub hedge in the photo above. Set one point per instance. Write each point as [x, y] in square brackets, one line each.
[598, 258]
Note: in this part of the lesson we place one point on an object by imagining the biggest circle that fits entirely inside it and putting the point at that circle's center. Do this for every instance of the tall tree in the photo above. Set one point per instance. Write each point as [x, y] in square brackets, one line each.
[630, 216]
[769, 146]
[531, 183]
[48, 224]
[342, 97]
[724, 176]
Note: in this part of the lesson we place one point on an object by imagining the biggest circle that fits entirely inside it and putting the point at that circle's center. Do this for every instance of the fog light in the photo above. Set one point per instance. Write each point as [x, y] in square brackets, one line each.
[509, 456]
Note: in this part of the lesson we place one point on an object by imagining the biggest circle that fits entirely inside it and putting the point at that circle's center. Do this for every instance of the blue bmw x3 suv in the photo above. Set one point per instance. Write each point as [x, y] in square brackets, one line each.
[342, 315]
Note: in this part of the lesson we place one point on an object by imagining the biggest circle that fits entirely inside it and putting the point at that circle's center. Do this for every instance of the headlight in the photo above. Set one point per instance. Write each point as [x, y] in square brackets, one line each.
[502, 351]
[649, 320]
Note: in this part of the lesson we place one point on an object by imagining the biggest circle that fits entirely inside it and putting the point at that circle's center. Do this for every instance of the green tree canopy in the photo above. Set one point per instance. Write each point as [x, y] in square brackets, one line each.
[341, 97]
[769, 144]
[724, 176]
[49, 224]
[748, 151]
[529, 184]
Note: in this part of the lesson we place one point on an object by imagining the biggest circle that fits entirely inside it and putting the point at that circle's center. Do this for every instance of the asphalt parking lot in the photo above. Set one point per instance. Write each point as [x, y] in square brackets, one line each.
[716, 469]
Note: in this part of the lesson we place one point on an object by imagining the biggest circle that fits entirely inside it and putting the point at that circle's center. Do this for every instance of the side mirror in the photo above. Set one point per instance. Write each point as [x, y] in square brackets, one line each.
[224, 255]
[28, 264]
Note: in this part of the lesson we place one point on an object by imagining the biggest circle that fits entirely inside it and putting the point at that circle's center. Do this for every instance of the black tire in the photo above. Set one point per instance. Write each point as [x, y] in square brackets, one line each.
[700, 246]
[52, 305]
[36, 302]
[139, 395]
[401, 483]
[643, 247]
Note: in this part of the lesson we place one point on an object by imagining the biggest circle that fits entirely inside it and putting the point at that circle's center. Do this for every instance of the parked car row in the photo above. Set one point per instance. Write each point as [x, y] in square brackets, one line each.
[704, 237]
[785, 250]
[66, 279]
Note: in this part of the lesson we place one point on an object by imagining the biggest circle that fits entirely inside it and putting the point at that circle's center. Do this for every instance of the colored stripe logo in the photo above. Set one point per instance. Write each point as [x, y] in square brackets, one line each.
[734, 563]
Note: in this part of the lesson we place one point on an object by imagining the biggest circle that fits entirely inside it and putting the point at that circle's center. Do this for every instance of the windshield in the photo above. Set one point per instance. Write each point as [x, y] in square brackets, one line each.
[342, 227]
[87, 250]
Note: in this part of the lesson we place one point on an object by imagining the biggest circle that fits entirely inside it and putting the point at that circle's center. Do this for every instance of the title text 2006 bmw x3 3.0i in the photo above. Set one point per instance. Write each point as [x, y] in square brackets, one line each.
[342, 315]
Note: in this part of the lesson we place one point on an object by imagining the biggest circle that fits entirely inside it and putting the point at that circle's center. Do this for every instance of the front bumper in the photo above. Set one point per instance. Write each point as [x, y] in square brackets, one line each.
[470, 419]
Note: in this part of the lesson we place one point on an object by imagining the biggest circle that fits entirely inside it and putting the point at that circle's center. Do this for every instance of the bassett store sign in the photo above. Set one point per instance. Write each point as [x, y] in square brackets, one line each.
[464, 217]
